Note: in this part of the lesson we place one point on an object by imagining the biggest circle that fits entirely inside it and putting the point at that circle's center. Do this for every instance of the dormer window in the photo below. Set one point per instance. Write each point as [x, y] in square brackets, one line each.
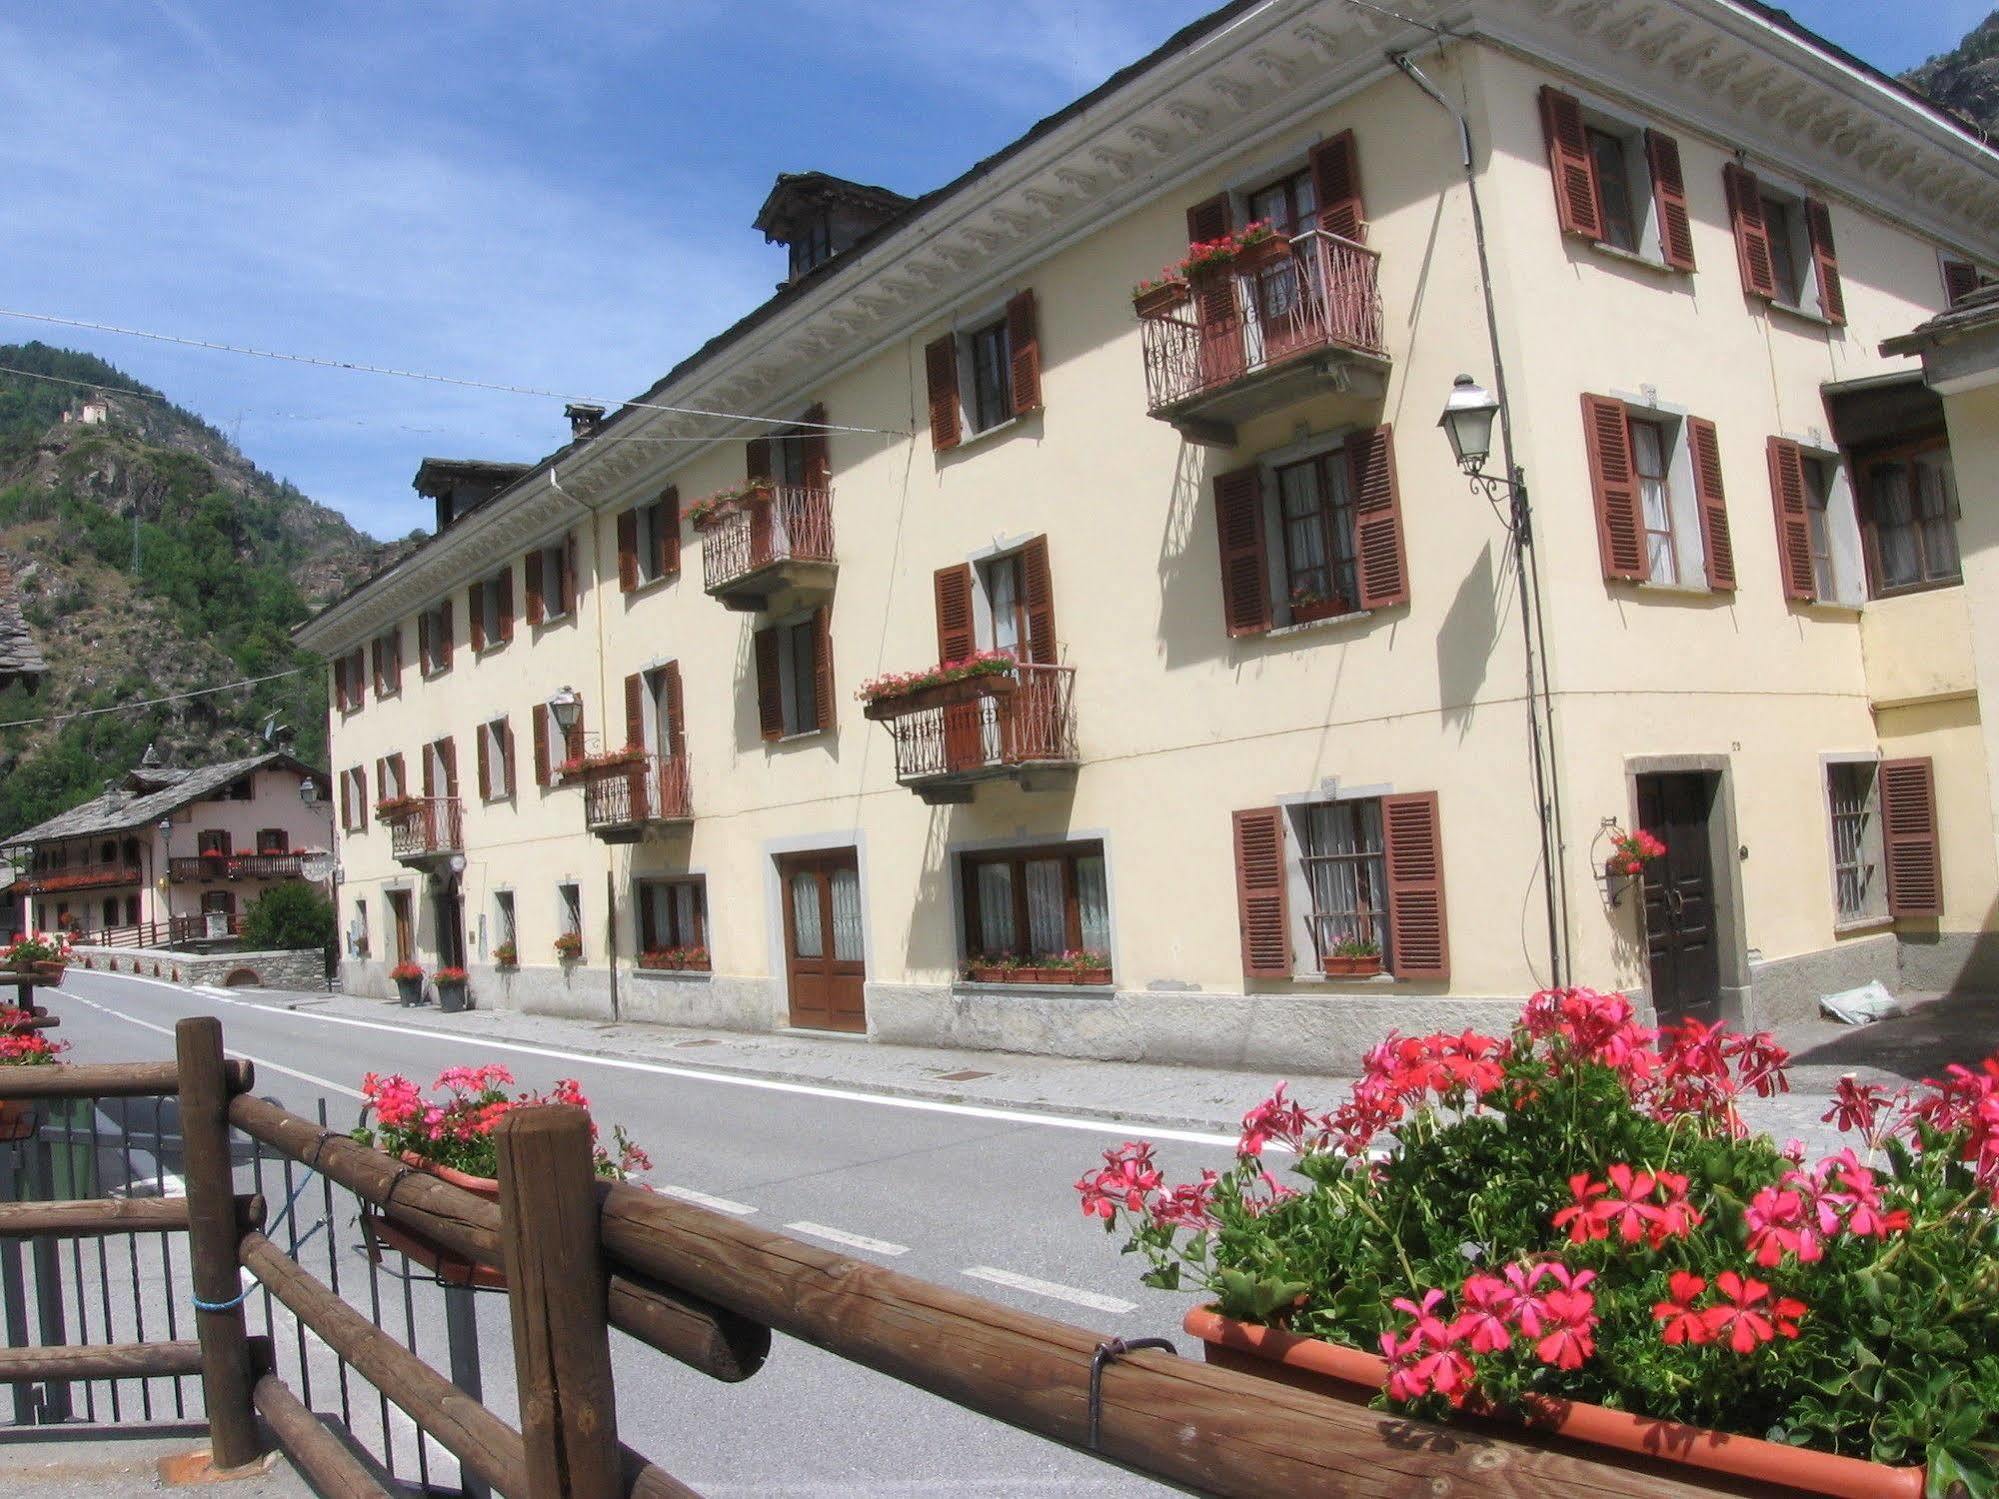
[814, 244]
[817, 216]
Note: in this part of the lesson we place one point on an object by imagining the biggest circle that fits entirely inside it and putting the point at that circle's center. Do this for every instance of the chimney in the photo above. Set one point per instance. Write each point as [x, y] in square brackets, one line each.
[583, 419]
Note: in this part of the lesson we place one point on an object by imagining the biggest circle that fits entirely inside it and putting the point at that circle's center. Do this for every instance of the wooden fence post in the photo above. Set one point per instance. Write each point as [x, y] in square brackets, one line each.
[214, 1234]
[551, 1251]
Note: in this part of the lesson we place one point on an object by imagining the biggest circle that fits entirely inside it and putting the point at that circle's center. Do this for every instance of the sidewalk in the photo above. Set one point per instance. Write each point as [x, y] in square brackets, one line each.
[1906, 1049]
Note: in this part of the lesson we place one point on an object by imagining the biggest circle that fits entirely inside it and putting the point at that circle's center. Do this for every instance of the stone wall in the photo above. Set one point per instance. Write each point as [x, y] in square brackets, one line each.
[302, 970]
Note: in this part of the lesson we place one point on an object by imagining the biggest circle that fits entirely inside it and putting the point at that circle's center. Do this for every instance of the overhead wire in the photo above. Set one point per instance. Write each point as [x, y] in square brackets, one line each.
[154, 702]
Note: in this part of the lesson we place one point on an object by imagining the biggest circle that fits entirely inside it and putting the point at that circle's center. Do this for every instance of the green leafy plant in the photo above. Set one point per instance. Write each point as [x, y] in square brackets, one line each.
[506, 955]
[1577, 1213]
[455, 1128]
[292, 916]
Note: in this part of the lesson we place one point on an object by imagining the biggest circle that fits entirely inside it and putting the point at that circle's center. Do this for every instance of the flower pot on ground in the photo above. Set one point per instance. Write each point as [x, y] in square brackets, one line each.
[451, 990]
[1572, 1222]
[408, 979]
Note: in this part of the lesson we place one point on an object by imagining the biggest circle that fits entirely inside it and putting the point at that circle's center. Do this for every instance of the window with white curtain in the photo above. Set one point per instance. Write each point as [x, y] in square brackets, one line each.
[1348, 878]
[1912, 519]
[1034, 903]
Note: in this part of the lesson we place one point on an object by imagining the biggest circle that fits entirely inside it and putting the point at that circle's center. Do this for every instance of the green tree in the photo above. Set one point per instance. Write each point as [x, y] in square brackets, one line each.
[290, 917]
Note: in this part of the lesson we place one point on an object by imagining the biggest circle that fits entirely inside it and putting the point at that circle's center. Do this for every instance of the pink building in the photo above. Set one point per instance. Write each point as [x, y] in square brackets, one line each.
[172, 855]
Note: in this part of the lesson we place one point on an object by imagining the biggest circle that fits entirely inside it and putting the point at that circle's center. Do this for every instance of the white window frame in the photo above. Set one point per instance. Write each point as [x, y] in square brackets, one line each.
[1683, 505]
[1651, 248]
[1873, 846]
[499, 762]
[554, 568]
[1849, 558]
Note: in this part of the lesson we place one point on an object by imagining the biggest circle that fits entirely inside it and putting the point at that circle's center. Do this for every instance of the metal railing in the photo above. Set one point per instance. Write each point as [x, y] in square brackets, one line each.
[652, 789]
[433, 825]
[233, 867]
[795, 524]
[209, 926]
[1324, 295]
[84, 877]
[1034, 724]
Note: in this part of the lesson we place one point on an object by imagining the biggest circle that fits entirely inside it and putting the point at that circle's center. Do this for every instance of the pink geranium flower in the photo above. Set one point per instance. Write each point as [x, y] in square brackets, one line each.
[1748, 1316]
[1683, 1324]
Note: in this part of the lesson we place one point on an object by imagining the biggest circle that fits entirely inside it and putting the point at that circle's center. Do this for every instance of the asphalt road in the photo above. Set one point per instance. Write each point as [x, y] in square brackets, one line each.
[940, 1191]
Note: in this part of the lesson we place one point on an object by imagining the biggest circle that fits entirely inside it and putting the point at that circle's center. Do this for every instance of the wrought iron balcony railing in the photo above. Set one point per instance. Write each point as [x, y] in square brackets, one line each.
[432, 828]
[617, 804]
[941, 750]
[783, 539]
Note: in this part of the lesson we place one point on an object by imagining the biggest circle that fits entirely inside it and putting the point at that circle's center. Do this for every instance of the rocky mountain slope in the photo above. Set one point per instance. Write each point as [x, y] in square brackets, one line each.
[1966, 78]
[151, 558]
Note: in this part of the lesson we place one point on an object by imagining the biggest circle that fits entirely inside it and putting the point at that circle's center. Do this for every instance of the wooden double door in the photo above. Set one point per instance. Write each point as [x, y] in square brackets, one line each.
[1683, 948]
[825, 953]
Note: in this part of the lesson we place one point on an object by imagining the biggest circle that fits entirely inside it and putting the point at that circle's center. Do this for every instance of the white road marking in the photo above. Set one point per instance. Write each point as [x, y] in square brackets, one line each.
[1127, 1130]
[318, 1082]
[852, 1241]
[1089, 1299]
[703, 1200]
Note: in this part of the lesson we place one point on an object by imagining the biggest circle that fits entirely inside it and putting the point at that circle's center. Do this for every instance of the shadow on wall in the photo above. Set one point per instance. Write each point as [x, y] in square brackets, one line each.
[1466, 639]
[1190, 628]
[933, 940]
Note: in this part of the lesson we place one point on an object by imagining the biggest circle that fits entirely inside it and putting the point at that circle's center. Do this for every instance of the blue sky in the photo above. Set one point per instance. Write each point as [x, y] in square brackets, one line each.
[542, 195]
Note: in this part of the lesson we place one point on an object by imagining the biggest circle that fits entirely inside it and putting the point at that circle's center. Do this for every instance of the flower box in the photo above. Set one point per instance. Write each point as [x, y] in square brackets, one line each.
[1350, 965]
[1154, 301]
[1041, 975]
[1304, 611]
[941, 695]
[992, 973]
[1353, 1375]
[1260, 255]
[382, 1232]
[603, 763]
[1082, 976]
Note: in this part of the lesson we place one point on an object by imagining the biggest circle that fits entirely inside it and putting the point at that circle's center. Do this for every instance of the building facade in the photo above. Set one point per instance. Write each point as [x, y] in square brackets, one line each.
[172, 855]
[1271, 737]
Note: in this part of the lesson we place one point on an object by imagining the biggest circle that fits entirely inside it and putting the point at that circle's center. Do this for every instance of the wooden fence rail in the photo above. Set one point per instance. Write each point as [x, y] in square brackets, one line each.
[582, 1256]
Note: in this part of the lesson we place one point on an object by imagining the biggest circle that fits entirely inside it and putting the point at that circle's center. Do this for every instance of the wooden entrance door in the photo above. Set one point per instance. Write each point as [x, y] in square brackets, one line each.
[399, 918]
[1680, 937]
[824, 956]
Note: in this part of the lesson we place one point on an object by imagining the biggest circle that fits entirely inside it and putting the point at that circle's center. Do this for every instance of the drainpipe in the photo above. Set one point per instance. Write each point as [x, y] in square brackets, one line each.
[1540, 703]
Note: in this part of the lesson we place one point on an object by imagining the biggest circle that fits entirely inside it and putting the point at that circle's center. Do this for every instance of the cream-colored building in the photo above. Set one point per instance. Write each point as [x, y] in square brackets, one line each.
[1287, 702]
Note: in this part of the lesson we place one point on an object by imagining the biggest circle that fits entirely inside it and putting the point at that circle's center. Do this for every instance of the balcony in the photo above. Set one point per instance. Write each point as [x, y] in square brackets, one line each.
[84, 877]
[773, 541]
[1019, 727]
[619, 805]
[184, 871]
[427, 832]
[1265, 334]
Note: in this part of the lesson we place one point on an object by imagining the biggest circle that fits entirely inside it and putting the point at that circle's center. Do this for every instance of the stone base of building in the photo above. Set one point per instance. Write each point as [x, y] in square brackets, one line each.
[301, 970]
[1788, 989]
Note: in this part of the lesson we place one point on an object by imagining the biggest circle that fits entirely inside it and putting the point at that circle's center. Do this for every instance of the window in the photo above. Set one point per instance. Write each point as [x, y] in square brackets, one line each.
[1853, 802]
[505, 932]
[1617, 184]
[992, 376]
[440, 768]
[1348, 880]
[1315, 506]
[1656, 478]
[794, 663]
[1613, 190]
[110, 910]
[812, 244]
[273, 841]
[984, 375]
[357, 933]
[401, 924]
[1648, 464]
[489, 610]
[1036, 902]
[1291, 204]
[353, 799]
[1784, 265]
[433, 632]
[390, 778]
[131, 910]
[350, 685]
[569, 917]
[241, 791]
[1784, 246]
[659, 540]
[496, 760]
[386, 652]
[1912, 519]
[1819, 476]
[672, 913]
[551, 581]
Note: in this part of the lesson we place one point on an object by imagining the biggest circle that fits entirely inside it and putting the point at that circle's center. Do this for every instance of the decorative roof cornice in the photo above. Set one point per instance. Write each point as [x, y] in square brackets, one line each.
[1725, 69]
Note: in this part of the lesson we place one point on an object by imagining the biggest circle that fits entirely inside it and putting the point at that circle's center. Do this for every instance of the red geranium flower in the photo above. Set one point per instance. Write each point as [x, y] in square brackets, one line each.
[1749, 1317]
[1683, 1324]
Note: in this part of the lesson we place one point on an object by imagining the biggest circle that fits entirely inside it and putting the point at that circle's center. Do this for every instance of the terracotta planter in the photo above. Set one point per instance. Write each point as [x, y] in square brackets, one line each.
[451, 1269]
[987, 973]
[1334, 966]
[1081, 976]
[1352, 1375]
[941, 695]
[1304, 614]
[1042, 976]
[1262, 255]
[17, 1119]
[1160, 300]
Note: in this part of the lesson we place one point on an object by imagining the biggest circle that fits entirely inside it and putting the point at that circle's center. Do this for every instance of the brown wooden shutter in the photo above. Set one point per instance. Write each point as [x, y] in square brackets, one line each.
[668, 531]
[577, 739]
[1263, 895]
[479, 737]
[1620, 527]
[1752, 236]
[1222, 353]
[424, 649]
[770, 684]
[1909, 828]
[940, 372]
[447, 631]
[475, 615]
[1380, 558]
[1832, 296]
[756, 458]
[1569, 161]
[1038, 588]
[1960, 280]
[376, 663]
[429, 771]
[447, 752]
[628, 550]
[1210, 218]
[531, 576]
[1669, 193]
[572, 594]
[1335, 168]
[822, 664]
[815, 448]
[347, 799]
[504, 609]
[1413, 850]
[1245, 566]
[539, 721]
[340, 683]
[382, 792]
[952, 587]
[635, 711]
[506, 737]
[1706, 451]
[1794, 536]
[673, 733]
[1023, 341]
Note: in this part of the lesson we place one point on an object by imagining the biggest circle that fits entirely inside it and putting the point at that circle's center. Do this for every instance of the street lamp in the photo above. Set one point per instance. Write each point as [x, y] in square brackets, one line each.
[1467, 421]
[566, 707]
[166, 831]
[308, 791]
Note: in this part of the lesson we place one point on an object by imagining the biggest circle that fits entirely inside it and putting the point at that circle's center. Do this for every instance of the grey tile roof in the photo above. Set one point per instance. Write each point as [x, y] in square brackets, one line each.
[1978, 311]
[144, 797]
[20, 656]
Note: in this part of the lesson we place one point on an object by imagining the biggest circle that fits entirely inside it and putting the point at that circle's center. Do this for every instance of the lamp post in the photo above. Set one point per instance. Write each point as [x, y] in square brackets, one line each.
[166, 832]
[1467, 421]
[565, 707]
